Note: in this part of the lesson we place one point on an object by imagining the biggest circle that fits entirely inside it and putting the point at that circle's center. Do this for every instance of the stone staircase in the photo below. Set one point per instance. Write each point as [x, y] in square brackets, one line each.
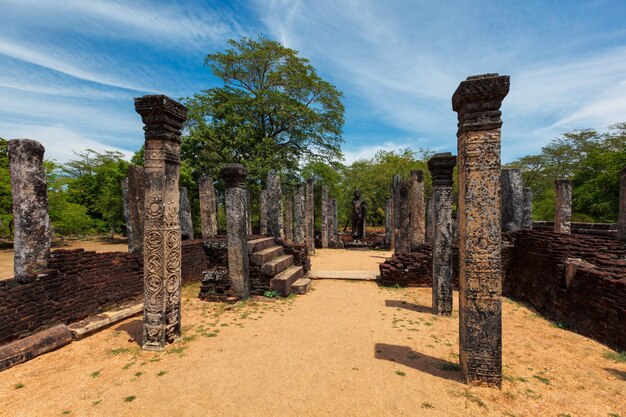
[284, 277]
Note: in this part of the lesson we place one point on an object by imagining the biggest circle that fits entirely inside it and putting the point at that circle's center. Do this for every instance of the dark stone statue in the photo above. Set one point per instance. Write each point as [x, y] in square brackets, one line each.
[359, 209]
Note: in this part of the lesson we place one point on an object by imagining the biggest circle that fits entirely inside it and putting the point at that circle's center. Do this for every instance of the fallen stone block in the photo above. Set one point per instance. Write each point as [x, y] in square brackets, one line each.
[30, 347]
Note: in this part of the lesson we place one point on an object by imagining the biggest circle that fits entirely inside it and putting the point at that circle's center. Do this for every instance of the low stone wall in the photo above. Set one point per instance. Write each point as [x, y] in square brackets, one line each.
[78, 284]
[594, 229]
[576, 280]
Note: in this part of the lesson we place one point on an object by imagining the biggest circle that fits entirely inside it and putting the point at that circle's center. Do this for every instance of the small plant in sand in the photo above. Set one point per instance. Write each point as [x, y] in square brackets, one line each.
[129, 399]
[161, 373]
[19, 385]
[400, 373]
[271, 294]
[615, 356]
[427, 405]
[96, 374]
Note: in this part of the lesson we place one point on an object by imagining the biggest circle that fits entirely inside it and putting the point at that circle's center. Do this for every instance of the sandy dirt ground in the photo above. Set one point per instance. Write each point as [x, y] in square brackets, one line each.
[344, 349]
[348, 260]
[97, 245]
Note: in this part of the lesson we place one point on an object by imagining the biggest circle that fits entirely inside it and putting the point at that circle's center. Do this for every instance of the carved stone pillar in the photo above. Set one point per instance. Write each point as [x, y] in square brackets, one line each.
[274, 206]
[234, 176]
[563, 212]
[527, 210]
[163, 119]
[288, 226]
[208, 207]
[325, 217]
[310, 215]
[136, 210]
[186, 222]
[402, 218]
[263, 213]
[430, 222]
[248, 212]
[418, 210]
[388, 222]
[441, 167]
[477, 102]
[395, 189]
[621, 217]
[334, 222]
[299, 214]
[31, 224]
[512, 199]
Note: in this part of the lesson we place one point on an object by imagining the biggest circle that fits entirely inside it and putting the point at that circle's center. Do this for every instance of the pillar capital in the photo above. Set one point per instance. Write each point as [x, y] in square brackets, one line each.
[477, 101]
[234, 175]
[162, 116]
[417, 175]
[441, 167]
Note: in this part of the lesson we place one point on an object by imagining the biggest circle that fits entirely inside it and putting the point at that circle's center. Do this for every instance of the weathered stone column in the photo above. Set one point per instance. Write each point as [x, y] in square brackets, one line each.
[263, 212]
[527, 210]
[310, 214]
[512, 199]
[418, 211]
[563, 212]
[274, 206]
[299, 214]
[163, 119]
[248, 211]
[334, 222]
[325, 217]
[288, 226]
[621, 216]
[388, 222]
[136, 210]
[430, 222]
[395, 189]
[477, 102]
[208, 207]
[186, 222]
[234, 176]
[402, 218]
[31, 224]
[441, 167]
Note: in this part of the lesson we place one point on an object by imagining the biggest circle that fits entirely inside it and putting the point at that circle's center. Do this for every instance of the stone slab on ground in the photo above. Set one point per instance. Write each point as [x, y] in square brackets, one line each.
[349, 275]
[92, 324]
[30, 347]
[283, 281]
[301, 286]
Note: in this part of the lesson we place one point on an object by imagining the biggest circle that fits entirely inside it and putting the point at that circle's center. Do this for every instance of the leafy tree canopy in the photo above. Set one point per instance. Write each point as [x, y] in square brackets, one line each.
[273, 112]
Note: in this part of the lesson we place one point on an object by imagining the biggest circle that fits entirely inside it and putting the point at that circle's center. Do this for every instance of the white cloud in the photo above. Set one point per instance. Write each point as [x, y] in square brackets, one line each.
[59, 141]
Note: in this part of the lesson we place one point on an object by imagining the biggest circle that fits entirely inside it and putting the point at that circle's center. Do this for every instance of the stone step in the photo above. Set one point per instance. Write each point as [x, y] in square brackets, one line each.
[260, 244]
[301, 286]
[277, 265]
[283, 281]
[258, 258]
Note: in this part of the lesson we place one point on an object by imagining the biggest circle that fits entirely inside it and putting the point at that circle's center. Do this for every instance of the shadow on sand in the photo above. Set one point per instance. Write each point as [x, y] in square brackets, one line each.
[408, 306]
[133, 329]
[406, 356]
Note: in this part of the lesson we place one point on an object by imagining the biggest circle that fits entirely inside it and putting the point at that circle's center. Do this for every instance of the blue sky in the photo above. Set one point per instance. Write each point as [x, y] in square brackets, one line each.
[69, 69]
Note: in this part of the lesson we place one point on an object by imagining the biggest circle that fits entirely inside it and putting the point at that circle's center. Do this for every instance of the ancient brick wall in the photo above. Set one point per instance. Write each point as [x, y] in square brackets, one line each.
[415, 269]
[592, 302]
[78, 284]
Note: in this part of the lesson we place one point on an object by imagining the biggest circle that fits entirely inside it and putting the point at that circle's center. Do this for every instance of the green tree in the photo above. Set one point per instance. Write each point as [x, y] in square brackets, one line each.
[272, 113]
[6, 200]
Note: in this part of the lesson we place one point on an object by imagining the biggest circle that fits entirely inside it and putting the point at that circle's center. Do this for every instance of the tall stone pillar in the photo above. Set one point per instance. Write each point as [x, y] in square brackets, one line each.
[621, 216]
[388, 222]
[31, 224]
[163, 119]
[441, 167]
[186, 222]
[563, 212]
[325, 217]
[334, 222]
[512, 199]
[402, 218]
[418, 210]
[274, 206]
[263, 212]
[136, 210]
[248, 212]
[430, 222]
[288, 225]
[208, 207]
[527, 210]
[477, 102]
[299, 214]
[234, 176]
[395, 189]
[310, 214]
